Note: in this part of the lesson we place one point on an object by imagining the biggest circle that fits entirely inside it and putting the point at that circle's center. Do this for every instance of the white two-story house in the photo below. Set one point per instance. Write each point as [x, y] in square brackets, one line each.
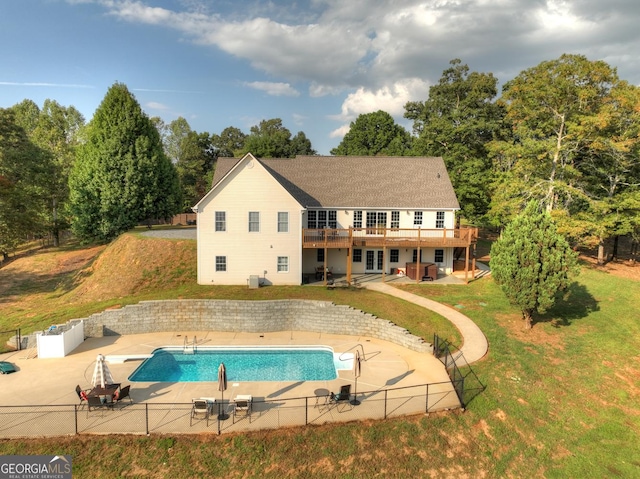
[286, 221]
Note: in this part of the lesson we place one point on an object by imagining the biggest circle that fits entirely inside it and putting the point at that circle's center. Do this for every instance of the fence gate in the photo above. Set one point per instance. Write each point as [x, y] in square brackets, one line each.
[10, 341]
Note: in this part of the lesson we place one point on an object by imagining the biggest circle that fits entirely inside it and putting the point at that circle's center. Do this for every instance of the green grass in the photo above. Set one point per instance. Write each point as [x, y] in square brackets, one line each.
[561, 400]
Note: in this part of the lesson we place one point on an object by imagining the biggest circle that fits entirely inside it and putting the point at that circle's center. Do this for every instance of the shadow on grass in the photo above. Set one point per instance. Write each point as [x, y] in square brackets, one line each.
[576, 303]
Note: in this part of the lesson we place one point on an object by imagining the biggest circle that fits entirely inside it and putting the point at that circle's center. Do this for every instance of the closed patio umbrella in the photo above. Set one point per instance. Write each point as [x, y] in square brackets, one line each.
[222, 387]
[357, 370]
[101, 373]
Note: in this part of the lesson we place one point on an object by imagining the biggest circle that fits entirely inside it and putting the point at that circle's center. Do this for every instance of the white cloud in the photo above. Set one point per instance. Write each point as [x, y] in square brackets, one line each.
[44, 84]
[274, 88]
[391, 99]
[376, 47]
[154, 105]
[340, 132]
[298, 119]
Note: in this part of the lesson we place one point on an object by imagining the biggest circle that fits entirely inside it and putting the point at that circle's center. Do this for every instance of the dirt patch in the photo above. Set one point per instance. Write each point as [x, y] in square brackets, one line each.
[70, 275]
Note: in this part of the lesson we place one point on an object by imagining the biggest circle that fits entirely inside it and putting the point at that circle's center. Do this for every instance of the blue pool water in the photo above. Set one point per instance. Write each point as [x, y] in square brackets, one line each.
[242, 364]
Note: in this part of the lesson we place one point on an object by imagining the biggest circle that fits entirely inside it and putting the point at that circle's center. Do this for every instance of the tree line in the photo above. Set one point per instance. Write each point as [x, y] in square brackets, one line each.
[563, 133]
[103, 177]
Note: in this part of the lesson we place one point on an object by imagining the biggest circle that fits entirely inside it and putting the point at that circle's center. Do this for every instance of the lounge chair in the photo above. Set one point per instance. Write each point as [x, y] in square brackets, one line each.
[242, 406]
[341, 397]
[6, 367]
[201, 408]
[123, 394]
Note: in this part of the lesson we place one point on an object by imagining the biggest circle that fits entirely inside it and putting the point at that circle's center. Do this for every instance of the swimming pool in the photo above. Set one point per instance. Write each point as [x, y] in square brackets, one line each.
[171, 364]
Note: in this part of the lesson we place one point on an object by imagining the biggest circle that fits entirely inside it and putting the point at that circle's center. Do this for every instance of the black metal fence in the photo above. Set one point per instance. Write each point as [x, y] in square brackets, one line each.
[163, 418]
[467, 385]
[10, 341]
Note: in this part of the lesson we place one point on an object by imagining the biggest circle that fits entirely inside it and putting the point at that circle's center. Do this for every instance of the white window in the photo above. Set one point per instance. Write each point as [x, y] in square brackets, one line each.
[312, 220]
[221, 221]
[283, 222]
[357, 219]
[254, 221]
[395, 220]
[283, 264]
[439, 219]
[417, 218]
[322, 219]
[221, 263]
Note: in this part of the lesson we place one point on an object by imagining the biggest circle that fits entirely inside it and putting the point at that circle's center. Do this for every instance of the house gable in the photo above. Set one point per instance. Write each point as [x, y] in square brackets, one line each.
[240, 223]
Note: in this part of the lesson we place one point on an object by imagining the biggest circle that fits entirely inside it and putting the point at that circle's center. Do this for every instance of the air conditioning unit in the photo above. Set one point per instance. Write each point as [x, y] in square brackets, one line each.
[254, 281]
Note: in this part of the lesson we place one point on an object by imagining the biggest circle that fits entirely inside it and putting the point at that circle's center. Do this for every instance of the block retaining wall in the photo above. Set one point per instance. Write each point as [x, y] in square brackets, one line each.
[248, 316]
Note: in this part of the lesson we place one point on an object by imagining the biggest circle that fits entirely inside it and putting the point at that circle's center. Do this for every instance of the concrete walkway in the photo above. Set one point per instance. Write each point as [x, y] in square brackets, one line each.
[475, 345]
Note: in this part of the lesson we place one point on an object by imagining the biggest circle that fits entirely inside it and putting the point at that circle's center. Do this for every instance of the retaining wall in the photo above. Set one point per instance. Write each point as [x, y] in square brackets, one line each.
[248, 316]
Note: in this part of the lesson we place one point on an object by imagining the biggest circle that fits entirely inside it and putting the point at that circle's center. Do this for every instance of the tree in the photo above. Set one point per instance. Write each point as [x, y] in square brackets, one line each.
[532, 262]
[546, 107]
[573, 146]
[373, 134]
[56, 131]
[195, 167]
[457, 122]
[270, 139]
[121, 175]
[22, 184]
[229, 143]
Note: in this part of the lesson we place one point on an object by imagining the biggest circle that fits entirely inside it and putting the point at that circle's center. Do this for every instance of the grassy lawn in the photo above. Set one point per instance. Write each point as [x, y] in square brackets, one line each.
[561, 400]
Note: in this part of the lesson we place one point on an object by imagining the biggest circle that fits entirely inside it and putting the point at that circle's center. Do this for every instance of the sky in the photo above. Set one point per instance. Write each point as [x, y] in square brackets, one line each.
[315, 64]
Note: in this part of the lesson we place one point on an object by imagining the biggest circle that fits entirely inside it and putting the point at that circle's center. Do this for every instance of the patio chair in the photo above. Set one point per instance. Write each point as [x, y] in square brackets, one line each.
[201, 408]
[341, 397]
[82, 393]
[123, 394]
[96, 402]
[242, 406]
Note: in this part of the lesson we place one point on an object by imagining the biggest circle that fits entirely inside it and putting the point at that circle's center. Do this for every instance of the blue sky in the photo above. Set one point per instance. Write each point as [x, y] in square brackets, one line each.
[315, 64]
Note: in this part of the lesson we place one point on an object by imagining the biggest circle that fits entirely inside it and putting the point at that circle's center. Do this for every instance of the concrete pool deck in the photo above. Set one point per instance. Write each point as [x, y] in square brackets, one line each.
[53, 381]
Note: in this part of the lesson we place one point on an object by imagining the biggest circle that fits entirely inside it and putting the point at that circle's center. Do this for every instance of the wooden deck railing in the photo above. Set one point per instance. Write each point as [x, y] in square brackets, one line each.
[388, 237]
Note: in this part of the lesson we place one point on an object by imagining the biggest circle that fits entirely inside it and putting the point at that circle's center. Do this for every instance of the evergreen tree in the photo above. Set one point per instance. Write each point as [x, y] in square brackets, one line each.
[121, 175]
[532, 262]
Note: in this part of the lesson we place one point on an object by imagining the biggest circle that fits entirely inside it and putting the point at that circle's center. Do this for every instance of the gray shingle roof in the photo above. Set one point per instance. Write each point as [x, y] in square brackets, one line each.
[360, 181]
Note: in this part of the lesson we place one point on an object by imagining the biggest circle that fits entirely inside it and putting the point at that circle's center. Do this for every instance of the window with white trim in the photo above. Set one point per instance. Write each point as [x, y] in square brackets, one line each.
[221, 221]
[254, 221]
[312, 219]
[283, 264]
[221, 263]
[394, 255]
[320, 255]
[357, 219]
[417, 218]
[395, 220]
[357, 256]
[438, 256]
[322, 219]
[439, 219]
[283, 222]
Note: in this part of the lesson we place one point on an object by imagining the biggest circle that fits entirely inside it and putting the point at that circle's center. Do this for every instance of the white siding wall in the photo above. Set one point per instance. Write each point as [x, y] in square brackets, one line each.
[337, 259]
[249, 188]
